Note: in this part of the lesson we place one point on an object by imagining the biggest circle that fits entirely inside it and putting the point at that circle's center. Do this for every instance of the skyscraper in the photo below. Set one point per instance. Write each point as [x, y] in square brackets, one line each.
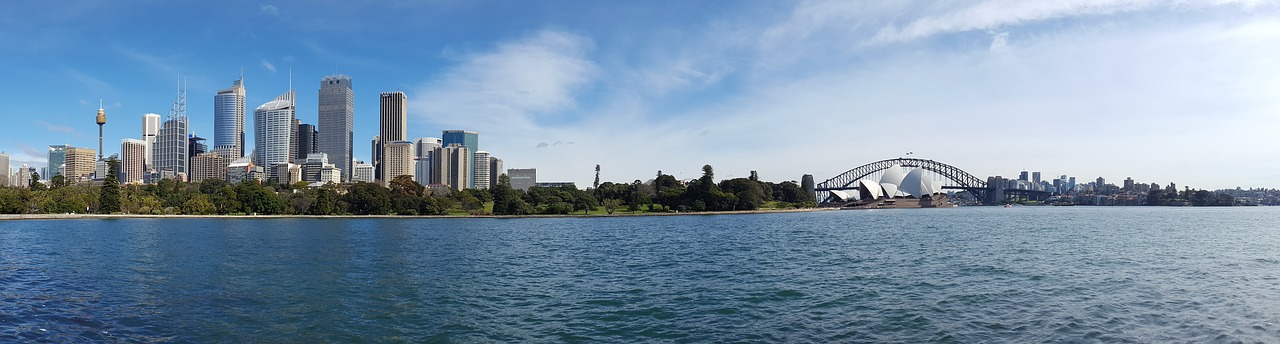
[4, 169]
[57, 158]
[397, 160]
[451, 165]
[469, 139]
[423, 148]
[150, 130]
[208, 166]
[337, 115]
[495, 171]
[272, 129]
[132, 158]
[79, 164]
[481, 167]
[393, 115]
[306, 140]
[101, 119]
[169, 151]
[228, 120]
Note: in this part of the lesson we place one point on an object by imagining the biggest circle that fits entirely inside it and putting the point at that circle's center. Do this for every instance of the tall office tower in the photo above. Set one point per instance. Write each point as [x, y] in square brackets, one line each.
[272, 129]
[1023, 176]
[397, 160]
[423, 147]
[337, 115]
[57, 158]
[22, 178]
[169, 151]
[361, 172]
[306, 141]
[208, 166]
[392, 118]
[79, 164]
[422, 159]
[495, 171]
[132, 158]
[469, 139]
[150, 130]
[481, 170]
[4, 166]
[451, 165]
[228, 120]
[293, 139]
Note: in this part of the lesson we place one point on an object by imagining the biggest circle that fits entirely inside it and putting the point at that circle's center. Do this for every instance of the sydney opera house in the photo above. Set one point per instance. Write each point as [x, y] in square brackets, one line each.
[894, 190]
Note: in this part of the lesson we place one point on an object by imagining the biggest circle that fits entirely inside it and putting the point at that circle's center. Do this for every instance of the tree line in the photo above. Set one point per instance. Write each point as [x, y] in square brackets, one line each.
[402, 196]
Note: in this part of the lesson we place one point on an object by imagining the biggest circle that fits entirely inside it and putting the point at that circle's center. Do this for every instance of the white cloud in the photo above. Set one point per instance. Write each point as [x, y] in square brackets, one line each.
[268, 66]
[269, 9]
[511, 87]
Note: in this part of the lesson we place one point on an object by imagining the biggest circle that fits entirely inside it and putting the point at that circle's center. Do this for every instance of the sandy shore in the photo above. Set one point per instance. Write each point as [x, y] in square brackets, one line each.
[5, 217]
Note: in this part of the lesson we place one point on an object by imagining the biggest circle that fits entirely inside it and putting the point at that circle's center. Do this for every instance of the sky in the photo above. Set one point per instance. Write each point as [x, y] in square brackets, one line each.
[1160, 91]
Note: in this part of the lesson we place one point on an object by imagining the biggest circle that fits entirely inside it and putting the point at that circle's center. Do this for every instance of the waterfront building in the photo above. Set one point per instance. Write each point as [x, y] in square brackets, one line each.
[397, 160]
[318, 169]
[209, 166]
[57, 158]
[4, 166]
[169, 151]
[481, 173]
[228, 120]
[423, 148]
[243, 169]
[393, 116]
[465, 138]
[495, 171]
[306, 141]
[79, 164]
[150, 131]
[523, 178]
[362, 172]
[132, 160]
[273, 129]
[451, 165]
[1035, 177]
[335, 125]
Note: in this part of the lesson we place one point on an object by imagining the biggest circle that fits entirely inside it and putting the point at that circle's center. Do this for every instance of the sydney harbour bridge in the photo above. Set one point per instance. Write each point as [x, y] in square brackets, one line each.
[949, 177]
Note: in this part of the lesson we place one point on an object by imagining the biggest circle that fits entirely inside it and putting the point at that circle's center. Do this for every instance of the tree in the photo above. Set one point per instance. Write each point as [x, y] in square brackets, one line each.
[507, 201]
[326, 202]
[35, 180]
[611, 205]
[405, 195]
[57, 182]
[368, 199]
[595, 187]
[257, 199]
[109, 196]
[199, 205]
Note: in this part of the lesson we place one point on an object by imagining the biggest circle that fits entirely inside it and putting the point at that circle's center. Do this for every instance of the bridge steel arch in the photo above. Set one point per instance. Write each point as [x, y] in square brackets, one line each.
[959, 178]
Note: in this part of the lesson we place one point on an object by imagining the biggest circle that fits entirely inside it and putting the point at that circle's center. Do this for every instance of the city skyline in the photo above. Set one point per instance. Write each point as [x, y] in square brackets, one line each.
[1155, 91]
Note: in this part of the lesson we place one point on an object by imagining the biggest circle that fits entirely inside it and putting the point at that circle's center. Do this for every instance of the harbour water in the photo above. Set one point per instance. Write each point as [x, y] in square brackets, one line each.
[1034, 274]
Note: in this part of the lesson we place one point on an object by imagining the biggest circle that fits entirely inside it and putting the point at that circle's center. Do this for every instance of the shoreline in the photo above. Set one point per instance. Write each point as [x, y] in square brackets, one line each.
[15, 217]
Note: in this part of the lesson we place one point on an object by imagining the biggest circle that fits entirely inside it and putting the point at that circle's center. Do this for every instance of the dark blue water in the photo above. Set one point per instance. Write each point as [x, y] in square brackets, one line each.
[1065, 274]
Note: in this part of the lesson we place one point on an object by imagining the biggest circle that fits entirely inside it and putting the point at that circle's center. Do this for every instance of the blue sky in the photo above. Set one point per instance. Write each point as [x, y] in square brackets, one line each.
[1159, 91]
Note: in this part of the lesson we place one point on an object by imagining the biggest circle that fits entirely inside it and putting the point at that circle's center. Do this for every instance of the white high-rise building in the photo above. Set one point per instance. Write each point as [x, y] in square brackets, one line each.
[336, 122]
[272, 129]
[451, 166]
[422, 159]
[228, 120]
[150, 130]
[362, 172]
[132, 159]
[480, 168]
[397, 160]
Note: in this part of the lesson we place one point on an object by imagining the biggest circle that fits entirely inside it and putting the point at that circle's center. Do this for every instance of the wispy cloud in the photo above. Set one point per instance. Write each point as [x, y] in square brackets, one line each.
[156, 63]
[513, 85]
[58, 128]
[269, 9]
[268, 65]
[93, 84]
